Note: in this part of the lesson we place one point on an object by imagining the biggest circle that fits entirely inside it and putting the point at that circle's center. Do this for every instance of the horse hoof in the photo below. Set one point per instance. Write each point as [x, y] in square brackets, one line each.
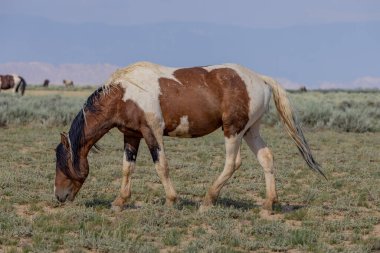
[169, 203]
[117, 209]
[268, 205]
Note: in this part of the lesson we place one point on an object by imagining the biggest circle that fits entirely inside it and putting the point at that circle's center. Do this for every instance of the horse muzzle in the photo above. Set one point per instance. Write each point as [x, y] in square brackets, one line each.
[64, 195]
[62, 198]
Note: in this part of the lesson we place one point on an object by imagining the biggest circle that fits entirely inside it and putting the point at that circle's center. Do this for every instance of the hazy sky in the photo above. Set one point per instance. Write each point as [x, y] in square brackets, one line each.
[251, 13]
[248, 14]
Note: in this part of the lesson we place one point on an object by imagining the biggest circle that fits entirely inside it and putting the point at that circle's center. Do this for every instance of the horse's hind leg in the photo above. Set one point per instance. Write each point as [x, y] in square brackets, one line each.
[265, 157]
[155, 144]
[131, 146]
[238, 159]
[232, 163]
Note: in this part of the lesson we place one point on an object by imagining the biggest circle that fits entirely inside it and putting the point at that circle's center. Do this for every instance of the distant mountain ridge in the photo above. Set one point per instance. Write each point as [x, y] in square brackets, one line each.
[309, 55]
[81, 74]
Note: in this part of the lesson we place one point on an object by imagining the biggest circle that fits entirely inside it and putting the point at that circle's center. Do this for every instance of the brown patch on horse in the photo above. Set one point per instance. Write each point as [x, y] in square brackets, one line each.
[209, 100]
[7, 82]
[127, 116]
[183, 96]
[182, 130]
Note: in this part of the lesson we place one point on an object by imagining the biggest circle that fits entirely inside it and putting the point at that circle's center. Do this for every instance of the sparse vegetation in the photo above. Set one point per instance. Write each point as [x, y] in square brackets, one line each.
[53, 110]
[338, 215]
[341, 111]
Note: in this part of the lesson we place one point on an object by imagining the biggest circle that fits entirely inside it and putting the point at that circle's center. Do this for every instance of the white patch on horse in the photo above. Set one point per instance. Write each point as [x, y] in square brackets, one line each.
[16, 80]
[258, 92]
[182, 130]
[141, 85]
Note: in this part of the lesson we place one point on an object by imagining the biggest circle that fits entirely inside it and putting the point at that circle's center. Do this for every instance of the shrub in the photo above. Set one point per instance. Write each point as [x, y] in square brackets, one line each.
[342, 111]
[48, 110]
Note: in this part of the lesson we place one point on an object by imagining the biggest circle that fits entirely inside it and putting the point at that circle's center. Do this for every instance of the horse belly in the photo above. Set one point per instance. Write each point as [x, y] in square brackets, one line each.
[190, 113]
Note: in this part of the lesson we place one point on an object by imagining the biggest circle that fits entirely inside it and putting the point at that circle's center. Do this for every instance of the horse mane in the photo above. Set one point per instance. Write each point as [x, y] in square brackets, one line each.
[61, 158]
[91, 100]
[121, 75]
[76, 134]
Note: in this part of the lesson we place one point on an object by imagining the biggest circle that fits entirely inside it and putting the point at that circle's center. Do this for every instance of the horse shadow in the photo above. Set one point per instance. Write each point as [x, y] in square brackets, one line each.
[243, 205]
[287, 208]
[246, 205]
[223, 202]
[185, 203]
[97, 202]
[107, 204]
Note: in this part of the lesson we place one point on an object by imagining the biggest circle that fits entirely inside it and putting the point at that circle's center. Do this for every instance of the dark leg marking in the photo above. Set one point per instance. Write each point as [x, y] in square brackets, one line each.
[131, 147]
[152, 143]
[130, 153]
[154, 152]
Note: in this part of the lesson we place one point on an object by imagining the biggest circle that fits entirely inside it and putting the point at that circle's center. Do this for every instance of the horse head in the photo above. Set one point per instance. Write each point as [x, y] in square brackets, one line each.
[68, 180]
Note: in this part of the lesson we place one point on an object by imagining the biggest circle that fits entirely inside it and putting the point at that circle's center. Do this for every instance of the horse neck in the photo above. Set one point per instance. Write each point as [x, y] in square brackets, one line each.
[94, 121]
[94, 130]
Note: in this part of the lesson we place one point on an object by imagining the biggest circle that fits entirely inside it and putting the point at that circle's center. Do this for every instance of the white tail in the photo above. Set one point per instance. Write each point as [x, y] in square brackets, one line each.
[289, 120]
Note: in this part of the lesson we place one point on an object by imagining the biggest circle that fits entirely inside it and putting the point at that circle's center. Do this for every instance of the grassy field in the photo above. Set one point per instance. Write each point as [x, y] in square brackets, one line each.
[338, 215]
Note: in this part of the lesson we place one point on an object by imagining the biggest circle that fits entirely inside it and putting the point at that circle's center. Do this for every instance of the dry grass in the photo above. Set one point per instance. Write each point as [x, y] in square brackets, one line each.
[338, 215]
[341, 214]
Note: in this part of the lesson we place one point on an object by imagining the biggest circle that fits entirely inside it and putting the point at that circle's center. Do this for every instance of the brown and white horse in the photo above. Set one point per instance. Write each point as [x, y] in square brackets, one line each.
[12, 81]
[149, 101]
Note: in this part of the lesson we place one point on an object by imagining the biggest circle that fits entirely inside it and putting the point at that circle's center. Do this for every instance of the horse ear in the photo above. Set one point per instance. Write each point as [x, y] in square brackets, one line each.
[65, 140]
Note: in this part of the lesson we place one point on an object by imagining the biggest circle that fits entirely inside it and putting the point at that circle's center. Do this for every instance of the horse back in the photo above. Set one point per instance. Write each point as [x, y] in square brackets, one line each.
[189, 102]
[203, 100]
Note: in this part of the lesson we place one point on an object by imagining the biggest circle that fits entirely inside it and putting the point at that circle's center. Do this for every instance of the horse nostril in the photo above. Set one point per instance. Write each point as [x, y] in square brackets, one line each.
[62, 199]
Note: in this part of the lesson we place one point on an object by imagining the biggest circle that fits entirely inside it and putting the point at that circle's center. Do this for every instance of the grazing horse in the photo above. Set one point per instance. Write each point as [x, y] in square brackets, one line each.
[46, 83]
[148, 101]
[68, 83]
[12, 81]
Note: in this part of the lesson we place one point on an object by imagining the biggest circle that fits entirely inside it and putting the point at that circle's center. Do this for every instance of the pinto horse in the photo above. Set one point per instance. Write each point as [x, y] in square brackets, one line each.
[148, 101]
[12, 81]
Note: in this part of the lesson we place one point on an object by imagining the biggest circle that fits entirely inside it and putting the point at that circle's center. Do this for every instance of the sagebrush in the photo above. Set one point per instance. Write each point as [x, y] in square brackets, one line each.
[342, 111]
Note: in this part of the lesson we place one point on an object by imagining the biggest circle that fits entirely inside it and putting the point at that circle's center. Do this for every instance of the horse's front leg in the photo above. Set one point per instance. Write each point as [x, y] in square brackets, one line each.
[155, 144]
[131, 146]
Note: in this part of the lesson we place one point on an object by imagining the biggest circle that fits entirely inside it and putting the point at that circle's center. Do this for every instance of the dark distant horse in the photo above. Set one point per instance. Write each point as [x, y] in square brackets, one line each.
[302, 89]
[12, 81]
[149, 101]
[46, 83]
[68, 83]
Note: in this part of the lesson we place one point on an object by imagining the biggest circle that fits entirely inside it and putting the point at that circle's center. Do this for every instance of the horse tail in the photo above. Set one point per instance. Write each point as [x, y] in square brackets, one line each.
[291, 124]
[21, 85]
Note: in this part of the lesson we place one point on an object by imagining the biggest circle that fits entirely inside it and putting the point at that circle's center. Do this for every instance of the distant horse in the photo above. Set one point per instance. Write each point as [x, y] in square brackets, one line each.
[46, 83]
[12, 81]
[68, 83]
[149, 101]
[302, 89]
